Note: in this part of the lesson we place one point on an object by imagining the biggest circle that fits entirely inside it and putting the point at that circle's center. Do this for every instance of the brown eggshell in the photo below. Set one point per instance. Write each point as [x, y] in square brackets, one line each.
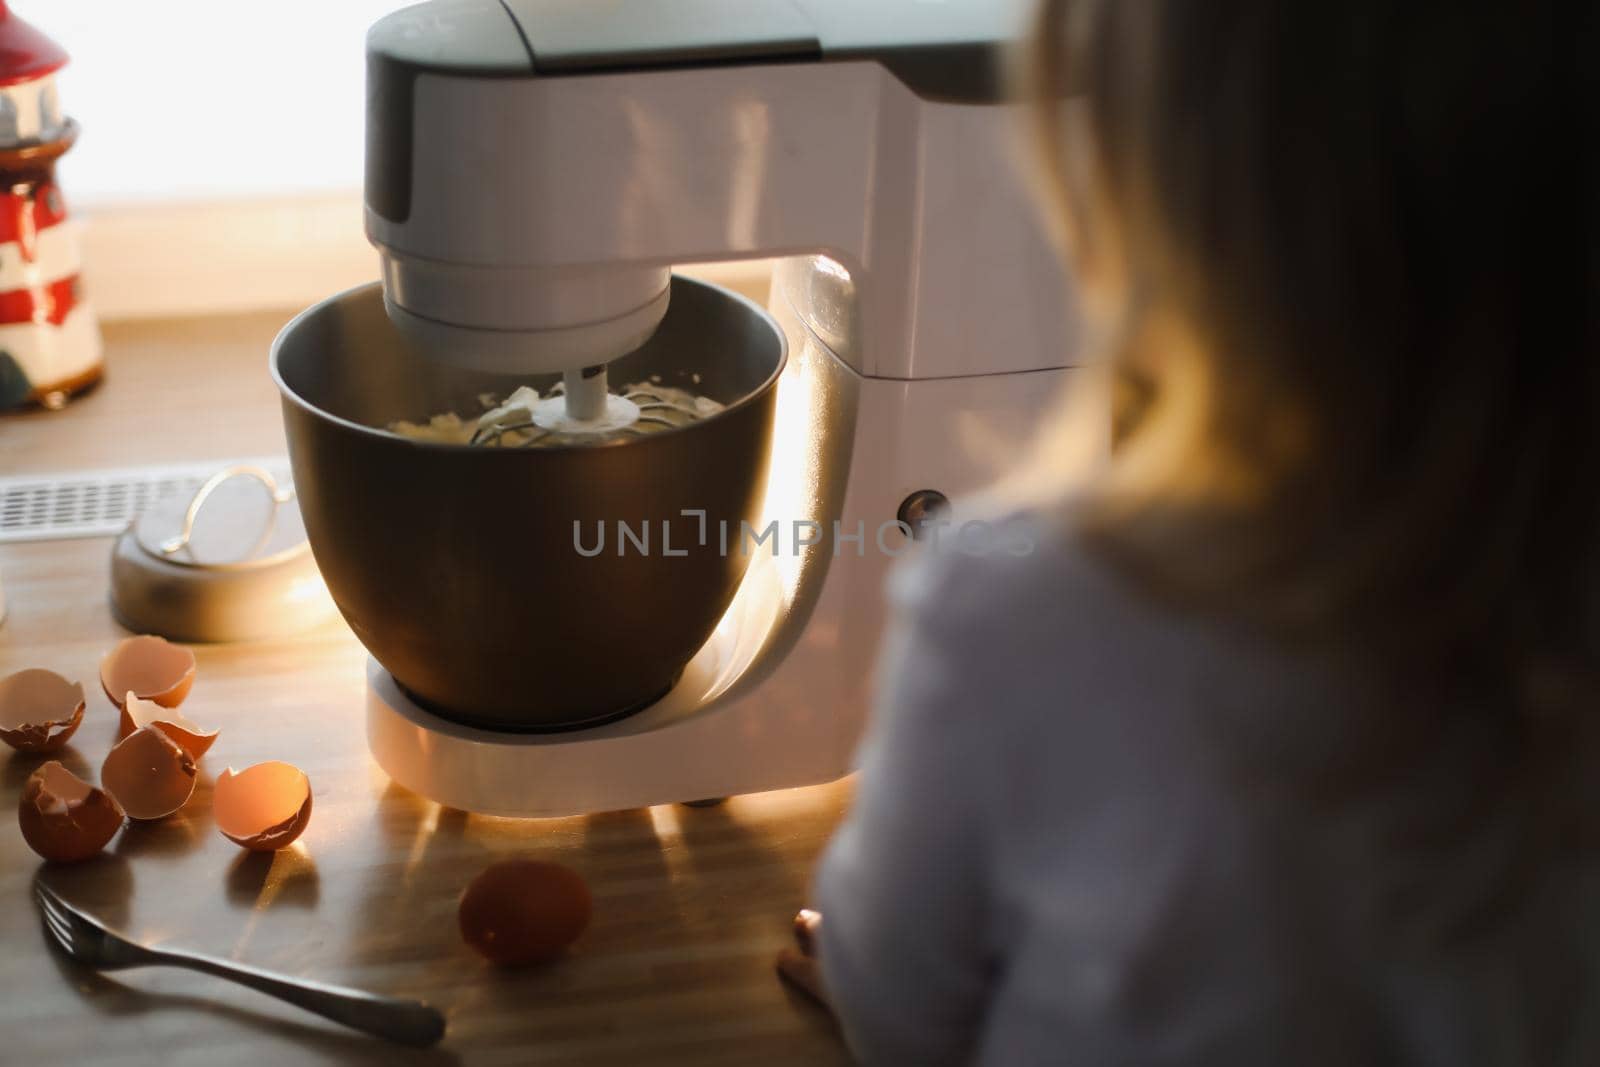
[150, 667]
[39, 710]
[262, 808]
[524, 911]
[137, 713]
[63, 818]
[149, 774]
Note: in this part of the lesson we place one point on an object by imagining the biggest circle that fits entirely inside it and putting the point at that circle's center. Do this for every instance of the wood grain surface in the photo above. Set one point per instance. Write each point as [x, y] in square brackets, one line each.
[691, 904]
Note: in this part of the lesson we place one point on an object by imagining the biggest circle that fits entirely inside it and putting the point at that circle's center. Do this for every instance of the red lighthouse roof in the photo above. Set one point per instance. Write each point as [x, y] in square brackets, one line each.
[25, 53]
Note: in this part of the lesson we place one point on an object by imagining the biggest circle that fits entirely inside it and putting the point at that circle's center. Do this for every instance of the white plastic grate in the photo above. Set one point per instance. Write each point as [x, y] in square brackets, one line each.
[57, 507]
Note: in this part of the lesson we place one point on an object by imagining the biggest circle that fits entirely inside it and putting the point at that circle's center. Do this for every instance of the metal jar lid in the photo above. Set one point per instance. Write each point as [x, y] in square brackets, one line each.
[231, 563]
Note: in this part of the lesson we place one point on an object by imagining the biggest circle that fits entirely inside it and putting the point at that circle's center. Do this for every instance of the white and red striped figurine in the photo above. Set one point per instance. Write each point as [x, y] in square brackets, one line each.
[49, 340]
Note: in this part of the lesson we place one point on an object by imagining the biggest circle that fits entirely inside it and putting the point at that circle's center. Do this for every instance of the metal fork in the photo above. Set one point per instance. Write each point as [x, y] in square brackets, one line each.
[409, 1022]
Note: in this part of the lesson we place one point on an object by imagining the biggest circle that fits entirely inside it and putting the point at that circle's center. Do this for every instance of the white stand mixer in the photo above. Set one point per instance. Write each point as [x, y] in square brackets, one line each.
[534, 171]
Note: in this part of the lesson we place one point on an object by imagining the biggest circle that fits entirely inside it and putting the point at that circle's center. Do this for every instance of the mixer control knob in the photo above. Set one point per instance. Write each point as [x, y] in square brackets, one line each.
[920, 508]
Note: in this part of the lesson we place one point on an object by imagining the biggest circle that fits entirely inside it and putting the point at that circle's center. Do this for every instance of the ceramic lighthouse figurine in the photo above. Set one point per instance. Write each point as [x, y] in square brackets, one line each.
[49, 341]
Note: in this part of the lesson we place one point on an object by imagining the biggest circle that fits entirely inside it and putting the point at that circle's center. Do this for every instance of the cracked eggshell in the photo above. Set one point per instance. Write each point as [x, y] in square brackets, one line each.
[63, 818]
[150, 667]
[149, 774]
[262, 808]
[39, 710]
[137, 714]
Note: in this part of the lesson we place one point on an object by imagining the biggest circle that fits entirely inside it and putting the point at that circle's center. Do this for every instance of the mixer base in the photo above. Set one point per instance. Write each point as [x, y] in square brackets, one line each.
[670, 753]
[732, 725]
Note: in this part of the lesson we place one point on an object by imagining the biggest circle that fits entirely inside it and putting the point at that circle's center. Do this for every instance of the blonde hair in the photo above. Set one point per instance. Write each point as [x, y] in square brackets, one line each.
[1343, 262]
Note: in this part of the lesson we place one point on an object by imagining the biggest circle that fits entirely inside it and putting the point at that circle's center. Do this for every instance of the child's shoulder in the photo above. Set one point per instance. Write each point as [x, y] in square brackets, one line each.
[1031, 579]
[1055, 655]
[1063, 649]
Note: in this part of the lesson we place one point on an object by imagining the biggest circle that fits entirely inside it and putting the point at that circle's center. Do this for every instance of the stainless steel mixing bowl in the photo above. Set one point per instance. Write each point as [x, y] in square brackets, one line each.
[457, 567]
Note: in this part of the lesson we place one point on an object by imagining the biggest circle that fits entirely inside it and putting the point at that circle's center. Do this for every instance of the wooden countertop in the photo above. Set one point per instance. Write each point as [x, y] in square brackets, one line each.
[691, 904]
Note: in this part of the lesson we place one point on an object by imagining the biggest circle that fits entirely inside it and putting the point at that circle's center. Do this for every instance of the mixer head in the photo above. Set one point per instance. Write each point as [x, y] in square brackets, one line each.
[531, 321]
[453, 285]
[556, 321]
[522, 320]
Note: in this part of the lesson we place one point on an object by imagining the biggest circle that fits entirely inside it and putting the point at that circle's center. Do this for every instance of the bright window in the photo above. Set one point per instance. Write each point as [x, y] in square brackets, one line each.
[210, 99]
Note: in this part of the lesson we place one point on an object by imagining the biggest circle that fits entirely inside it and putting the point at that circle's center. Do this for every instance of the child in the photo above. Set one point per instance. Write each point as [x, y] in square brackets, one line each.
[1279, 747]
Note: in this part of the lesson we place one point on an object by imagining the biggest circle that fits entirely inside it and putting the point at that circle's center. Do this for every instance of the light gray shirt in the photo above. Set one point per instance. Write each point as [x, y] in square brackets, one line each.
[1094, 830]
